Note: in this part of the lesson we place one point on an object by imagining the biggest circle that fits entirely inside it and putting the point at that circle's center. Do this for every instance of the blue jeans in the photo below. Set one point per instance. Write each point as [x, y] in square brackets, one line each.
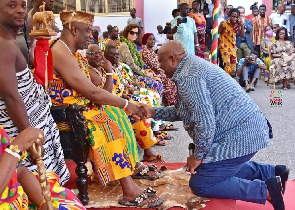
[238, 179]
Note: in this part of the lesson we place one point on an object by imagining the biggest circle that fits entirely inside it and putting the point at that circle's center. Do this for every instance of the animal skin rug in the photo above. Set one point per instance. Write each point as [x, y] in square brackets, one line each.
[173, 188]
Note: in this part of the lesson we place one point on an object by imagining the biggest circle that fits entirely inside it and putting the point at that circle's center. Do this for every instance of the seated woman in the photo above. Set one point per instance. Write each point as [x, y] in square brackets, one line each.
[283, 59]
[130, 56]
[266, 42]
[19, 188]
[150, 58]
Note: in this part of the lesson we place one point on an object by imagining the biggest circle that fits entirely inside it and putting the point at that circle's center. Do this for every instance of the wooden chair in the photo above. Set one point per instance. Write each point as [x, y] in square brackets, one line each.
[74, 143]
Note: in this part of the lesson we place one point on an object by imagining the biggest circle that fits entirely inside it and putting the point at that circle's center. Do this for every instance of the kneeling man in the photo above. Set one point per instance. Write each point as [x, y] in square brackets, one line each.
[227, 127]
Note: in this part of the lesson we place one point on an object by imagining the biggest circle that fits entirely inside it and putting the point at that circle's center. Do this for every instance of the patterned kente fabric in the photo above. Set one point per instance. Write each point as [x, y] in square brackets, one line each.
[142, 129]
[37, 103]
[14, 196]
[113, 149]
[148, 95]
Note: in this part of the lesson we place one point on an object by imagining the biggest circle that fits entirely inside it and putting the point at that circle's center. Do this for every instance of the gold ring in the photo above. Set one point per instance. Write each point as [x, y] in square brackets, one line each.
[38, 141]
[40, 136]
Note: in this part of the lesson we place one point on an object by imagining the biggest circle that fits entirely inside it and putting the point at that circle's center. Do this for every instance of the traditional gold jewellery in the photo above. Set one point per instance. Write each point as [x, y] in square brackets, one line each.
[39, 138]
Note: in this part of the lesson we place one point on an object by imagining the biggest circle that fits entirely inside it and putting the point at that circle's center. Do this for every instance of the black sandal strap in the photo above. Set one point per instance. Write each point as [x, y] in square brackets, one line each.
[140, 198]
[150, 190]
[144, 170]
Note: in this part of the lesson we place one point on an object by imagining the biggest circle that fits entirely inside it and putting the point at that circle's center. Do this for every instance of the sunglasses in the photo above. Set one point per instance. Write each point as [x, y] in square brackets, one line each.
[133, 32]
[94, 53]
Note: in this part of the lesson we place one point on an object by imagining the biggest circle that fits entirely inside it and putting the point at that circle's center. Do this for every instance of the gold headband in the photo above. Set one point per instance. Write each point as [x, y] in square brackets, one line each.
[78, 16]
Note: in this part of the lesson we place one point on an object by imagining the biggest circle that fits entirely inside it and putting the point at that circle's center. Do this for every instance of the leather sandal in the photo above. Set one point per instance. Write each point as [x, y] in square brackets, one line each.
[137, 202]
[169, 127]
[143, 173]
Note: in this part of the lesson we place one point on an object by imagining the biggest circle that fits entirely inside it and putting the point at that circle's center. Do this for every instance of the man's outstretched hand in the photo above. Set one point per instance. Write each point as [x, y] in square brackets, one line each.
[141, 111]
[137, 112]
[150, 112]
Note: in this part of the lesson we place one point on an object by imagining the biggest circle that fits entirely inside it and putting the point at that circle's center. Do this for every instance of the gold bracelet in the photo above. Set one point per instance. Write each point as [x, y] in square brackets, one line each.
[41, 204]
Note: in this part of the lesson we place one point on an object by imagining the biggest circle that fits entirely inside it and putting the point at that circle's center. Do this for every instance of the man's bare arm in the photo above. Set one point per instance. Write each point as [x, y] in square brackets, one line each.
[9, 87]
[68, 68]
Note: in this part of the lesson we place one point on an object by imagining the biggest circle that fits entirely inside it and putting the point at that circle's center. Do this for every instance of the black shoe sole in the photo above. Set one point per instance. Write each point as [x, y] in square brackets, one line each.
[274, 186]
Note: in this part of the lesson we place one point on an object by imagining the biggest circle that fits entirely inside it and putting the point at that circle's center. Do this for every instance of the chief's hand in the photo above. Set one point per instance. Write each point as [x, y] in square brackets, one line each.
[150, 112]
[136, 111]
[107, 66]
[27, 137]
[192, 164]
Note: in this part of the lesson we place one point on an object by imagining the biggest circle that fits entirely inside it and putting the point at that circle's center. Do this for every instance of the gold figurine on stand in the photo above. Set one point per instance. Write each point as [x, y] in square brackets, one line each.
[43, 73]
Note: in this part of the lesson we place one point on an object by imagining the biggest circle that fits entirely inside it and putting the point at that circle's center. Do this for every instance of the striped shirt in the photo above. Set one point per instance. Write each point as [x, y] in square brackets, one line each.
[259, 24]
[223, 121]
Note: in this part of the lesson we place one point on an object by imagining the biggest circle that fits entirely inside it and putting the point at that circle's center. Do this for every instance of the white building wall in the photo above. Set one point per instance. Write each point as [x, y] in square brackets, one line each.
[157, 12]
[245, 3]
[104, 21]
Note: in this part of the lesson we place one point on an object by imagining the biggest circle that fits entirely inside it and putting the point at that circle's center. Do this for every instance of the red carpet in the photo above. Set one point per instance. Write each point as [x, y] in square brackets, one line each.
[213, 204]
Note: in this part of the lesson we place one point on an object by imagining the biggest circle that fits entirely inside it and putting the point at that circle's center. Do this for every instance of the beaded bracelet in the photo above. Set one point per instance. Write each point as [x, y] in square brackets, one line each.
[9, 151]
[126, 104]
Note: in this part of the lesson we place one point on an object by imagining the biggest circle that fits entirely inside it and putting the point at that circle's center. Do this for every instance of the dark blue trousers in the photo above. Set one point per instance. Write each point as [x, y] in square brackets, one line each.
[238, 179]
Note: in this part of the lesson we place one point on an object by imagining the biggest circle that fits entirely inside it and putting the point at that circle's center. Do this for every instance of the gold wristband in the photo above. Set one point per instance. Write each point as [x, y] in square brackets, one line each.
[41, 204]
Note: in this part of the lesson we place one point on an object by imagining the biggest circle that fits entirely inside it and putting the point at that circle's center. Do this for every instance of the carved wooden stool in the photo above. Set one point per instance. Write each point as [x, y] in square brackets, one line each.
[74, 143]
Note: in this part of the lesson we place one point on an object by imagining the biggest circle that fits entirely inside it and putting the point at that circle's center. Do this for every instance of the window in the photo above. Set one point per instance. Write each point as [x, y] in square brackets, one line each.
[96, 6]
[60, 5]
[108, 6]
[288, 3]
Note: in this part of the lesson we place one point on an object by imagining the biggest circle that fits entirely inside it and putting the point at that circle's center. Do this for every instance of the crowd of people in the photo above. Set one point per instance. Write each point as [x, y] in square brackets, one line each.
[132, 84]
[249, 46]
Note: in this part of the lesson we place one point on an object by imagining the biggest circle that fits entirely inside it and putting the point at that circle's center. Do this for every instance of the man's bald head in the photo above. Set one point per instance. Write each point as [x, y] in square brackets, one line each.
[94, 55]
[93, 47]
[172, 47]
[170, 55]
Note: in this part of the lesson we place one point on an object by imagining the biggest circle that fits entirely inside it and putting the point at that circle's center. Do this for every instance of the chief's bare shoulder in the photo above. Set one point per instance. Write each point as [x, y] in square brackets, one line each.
[11, 58]
[8, 46]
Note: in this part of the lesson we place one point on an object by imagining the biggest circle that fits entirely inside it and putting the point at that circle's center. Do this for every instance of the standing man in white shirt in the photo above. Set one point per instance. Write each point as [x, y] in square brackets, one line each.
[281, 17]
[160, 38]
[134, 19]
[185, 30]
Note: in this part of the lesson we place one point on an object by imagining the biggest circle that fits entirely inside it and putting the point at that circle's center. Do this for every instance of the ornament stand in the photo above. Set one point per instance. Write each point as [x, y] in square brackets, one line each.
[42, 32]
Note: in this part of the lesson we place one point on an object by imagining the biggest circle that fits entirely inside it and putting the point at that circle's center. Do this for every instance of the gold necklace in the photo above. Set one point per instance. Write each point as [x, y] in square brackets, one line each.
[66, 46]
